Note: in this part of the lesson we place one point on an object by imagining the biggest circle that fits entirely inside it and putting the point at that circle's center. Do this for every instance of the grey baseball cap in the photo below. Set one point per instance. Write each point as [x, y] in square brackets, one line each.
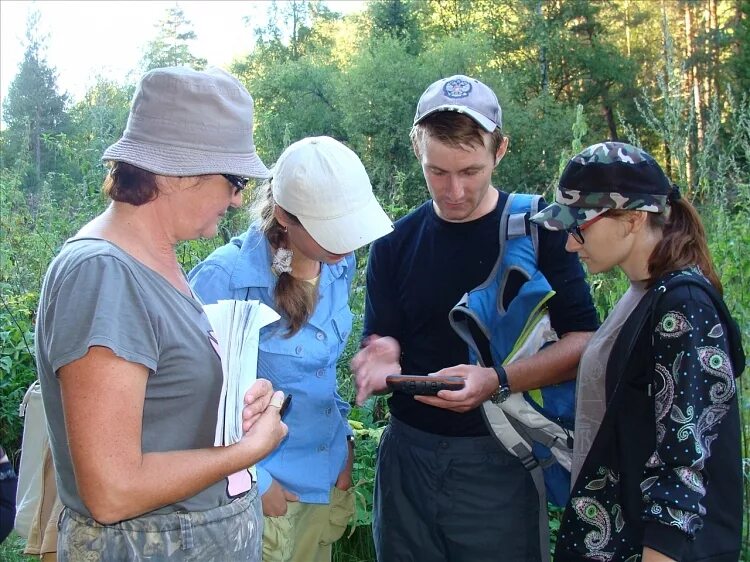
[185, 122]
[465, 95]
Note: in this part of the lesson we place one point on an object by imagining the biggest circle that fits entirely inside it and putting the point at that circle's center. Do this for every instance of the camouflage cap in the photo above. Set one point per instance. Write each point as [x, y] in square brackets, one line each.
[607, 175]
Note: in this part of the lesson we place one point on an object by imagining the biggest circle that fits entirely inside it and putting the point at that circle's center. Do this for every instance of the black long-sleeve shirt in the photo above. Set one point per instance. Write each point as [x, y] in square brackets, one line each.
[419, 272]
[665, 468]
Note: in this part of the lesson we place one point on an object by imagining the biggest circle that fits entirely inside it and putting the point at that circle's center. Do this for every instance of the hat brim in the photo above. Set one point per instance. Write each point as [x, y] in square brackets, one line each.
[487, 124]
[181, 161]
[344, 234]
[563, 217]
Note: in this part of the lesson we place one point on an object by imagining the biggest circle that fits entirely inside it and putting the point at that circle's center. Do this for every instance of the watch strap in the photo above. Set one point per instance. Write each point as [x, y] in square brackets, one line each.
[502, 376]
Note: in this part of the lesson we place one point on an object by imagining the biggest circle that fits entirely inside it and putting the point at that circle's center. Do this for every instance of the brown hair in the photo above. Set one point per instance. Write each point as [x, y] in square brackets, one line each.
[453, 129]
[130, 184]
[683, 242]
[296, 298]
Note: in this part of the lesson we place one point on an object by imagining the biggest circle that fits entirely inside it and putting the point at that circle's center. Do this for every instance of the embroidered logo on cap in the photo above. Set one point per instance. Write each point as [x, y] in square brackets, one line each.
[457, 88]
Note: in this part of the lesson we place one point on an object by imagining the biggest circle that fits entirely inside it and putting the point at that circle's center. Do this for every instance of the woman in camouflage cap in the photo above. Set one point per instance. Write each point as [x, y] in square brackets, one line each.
[657, 460]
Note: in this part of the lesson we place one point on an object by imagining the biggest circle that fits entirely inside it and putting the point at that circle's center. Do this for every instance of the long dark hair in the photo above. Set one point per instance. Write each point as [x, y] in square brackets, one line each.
[683, 243]
[295, 298]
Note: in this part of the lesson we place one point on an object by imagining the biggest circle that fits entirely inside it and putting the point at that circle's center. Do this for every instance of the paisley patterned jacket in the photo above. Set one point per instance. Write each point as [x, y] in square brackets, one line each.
[664, 470]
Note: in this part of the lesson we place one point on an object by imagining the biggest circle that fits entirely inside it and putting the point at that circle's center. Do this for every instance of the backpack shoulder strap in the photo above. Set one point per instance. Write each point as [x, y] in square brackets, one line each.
[519, 208]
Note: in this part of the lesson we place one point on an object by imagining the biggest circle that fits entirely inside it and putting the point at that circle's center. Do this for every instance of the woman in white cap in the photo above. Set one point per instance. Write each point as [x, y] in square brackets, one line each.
[130, 377]
[657, 452]
[298, 258]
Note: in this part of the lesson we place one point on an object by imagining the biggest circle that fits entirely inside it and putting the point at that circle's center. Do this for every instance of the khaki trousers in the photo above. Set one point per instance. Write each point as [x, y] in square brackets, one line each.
[307, 532]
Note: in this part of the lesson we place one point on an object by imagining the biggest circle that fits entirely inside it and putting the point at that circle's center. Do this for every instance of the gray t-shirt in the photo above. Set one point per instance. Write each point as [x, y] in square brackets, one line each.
[95, 294]
[591, 402]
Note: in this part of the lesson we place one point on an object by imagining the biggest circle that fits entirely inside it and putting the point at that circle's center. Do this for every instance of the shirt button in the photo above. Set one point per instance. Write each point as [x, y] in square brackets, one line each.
[298, 350]
[322, 448]
[320, 335]
[319, 373]
[328, 411]
[443, 444]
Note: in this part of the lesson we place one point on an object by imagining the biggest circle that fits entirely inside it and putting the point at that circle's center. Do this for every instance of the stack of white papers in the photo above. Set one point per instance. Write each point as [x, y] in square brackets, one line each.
[236, 327]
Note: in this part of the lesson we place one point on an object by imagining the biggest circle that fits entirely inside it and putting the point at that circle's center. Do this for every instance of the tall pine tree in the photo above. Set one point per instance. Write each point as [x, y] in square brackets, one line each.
[33, 108]
[171, 47]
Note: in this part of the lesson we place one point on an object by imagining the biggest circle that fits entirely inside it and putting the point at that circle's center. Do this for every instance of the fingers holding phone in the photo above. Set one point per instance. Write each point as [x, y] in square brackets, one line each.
[479, 383]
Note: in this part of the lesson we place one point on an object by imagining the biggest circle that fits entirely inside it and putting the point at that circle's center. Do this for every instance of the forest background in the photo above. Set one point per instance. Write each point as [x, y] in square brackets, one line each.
[669, 75]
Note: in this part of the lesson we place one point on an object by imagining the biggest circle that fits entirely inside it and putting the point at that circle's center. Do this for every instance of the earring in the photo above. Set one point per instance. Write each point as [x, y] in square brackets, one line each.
[282, 261]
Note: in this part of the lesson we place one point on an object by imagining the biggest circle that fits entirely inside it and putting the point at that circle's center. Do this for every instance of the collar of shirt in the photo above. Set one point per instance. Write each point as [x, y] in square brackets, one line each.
[252, 268]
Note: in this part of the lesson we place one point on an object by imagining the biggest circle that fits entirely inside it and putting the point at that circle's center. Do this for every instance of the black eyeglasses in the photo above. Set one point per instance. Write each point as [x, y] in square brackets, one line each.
[577, 231]
[238, 182]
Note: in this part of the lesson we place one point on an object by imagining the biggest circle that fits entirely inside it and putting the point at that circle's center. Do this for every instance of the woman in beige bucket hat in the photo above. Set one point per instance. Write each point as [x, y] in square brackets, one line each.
[129, 373]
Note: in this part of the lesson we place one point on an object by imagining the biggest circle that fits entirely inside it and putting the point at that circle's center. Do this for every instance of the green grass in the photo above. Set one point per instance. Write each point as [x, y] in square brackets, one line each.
[11, 549]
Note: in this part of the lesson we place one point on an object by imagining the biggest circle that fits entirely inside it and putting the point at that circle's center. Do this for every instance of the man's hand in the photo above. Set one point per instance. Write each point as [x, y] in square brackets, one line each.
[479, 384]
[378, 358]
[275, 500]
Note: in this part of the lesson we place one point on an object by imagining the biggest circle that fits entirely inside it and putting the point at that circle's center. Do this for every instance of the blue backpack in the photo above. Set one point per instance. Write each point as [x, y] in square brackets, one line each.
[504, 319]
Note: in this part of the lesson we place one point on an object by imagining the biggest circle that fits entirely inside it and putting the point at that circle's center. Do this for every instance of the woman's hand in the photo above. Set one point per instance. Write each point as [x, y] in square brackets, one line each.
[275, 500]
[378, 358]
[257, 399]
[265, 430]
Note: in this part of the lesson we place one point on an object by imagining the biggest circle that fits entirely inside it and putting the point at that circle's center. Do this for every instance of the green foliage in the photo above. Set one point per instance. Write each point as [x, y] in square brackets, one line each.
[377, 94]
[17, 368]
[397, 19]
[11, 549]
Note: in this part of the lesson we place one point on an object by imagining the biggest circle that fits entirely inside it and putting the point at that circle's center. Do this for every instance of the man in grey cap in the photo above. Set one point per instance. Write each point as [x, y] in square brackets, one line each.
[445, 489]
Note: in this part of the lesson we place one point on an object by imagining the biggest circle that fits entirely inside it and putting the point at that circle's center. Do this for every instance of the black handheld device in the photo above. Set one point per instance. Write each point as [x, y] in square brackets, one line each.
[285, 405]
[423, 385]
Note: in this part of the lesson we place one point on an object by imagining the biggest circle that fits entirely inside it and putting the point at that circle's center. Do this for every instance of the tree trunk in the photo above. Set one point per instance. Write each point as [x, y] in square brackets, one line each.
[543, 64]
[692, 85]
[627, 27]
[609, 117]
[38, 147]
[667, 62]
[714, 51]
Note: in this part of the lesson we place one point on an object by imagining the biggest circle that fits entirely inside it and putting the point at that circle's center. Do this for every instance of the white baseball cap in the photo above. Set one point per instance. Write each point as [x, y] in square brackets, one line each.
[323, 183]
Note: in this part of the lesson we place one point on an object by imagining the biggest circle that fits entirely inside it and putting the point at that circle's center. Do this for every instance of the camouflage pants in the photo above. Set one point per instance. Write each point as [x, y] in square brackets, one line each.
[229, 533]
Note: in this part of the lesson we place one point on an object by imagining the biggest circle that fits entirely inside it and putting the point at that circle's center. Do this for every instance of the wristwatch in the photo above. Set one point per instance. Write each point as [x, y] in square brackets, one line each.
[503, 390]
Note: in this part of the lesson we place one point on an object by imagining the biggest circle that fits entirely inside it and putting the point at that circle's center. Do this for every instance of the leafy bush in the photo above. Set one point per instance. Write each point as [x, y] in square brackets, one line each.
[17, 369]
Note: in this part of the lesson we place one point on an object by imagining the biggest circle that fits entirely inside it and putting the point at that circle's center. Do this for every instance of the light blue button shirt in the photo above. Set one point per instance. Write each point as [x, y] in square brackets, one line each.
[310, 459]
